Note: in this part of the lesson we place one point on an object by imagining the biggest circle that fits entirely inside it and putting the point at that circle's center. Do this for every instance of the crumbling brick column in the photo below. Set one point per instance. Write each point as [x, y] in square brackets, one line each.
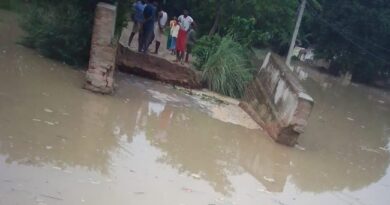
[99, 76]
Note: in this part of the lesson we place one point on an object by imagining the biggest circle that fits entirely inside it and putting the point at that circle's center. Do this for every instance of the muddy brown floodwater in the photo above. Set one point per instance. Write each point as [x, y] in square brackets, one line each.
[151, 144]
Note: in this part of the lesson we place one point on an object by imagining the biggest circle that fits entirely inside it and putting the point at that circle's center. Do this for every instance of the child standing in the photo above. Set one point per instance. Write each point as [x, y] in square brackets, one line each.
[174, 33]
[171, 24]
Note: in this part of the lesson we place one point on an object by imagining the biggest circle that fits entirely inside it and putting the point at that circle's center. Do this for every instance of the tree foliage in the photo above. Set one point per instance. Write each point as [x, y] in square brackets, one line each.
[62, 29]
[267, 23]
[205, 47]
[354, 35]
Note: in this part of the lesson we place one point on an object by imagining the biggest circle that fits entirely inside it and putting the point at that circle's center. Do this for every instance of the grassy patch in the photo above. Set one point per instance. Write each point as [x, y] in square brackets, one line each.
[227, 69]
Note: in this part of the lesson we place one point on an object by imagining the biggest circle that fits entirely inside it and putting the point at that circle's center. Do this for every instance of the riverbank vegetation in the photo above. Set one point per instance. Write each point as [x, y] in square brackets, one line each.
[224, 60]
[354, 36]
[62, 30]
[226, 68]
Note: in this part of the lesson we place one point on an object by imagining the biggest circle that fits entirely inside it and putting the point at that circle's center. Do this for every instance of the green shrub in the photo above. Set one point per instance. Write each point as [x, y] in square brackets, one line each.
[61, 31]
[123, 10]
[244, 31]
[204, 48]
[227, 69]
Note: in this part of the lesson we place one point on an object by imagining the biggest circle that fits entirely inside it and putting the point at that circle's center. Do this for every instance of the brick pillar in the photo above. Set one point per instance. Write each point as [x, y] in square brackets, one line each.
[99, 76]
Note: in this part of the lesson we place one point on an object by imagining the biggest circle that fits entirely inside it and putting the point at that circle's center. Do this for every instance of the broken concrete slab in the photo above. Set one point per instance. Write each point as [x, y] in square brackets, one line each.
[156, 68]
[277, 101]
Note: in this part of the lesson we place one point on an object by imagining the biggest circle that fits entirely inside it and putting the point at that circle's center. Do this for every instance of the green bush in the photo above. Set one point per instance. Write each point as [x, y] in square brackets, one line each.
[244, 31]
[123, 13]
[61, 31]
[227, 69]
[204, 48]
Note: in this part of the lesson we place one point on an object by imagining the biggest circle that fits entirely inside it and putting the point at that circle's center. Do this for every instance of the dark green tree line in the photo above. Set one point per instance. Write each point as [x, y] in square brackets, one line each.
[354, 35]
[271, 21]
[62, 29]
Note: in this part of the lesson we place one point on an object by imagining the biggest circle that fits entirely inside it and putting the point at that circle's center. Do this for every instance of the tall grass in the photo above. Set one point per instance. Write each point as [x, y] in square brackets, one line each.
[227, 70]
[205, 47]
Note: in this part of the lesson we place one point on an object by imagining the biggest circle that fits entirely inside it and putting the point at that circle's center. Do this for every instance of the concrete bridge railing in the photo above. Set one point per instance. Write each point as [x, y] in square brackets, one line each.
[277, 101]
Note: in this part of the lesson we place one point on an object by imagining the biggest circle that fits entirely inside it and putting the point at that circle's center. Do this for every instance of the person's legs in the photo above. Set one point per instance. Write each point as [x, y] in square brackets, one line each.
[182, 57]
[151, 37]
[148, 39]
[189, 50]
[131, 38]
[141, 39]
[181, 45]
[177, 56]
[177, 48]
[158, 37]
[136, 28]
[157, 47]
[169, 42]
[173, 45]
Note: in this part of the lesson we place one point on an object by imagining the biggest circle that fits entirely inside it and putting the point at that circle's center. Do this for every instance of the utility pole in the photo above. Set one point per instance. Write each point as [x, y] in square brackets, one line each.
[295, 34]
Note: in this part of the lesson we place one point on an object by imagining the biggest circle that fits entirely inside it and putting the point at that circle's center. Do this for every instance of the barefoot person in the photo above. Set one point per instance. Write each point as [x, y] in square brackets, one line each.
[174, 33]
[184, 21]
[159, 28]
[171, 24]
[137, 18]
[146, 36]
[191, 39]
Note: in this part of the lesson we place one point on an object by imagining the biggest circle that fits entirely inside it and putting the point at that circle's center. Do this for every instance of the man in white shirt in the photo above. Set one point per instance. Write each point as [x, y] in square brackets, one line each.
[185, 22]
[159, 28]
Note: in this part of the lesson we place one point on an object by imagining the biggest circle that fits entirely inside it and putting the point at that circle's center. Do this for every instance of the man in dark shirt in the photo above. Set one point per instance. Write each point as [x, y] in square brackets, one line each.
[148, 27]
[138, 17]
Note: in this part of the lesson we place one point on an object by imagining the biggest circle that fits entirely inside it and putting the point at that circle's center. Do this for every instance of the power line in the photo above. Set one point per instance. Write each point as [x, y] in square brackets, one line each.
[342, 34]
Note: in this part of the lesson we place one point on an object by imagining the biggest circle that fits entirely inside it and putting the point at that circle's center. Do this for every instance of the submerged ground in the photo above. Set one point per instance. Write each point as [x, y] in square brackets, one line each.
[151, 144]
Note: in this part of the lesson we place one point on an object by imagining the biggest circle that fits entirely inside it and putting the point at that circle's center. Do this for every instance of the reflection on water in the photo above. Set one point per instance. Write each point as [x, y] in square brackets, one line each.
[150, 144]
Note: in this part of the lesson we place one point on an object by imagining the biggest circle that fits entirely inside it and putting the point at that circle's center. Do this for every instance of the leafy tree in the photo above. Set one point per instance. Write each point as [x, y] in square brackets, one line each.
[62, 29]
[271, 21]
[354, 35]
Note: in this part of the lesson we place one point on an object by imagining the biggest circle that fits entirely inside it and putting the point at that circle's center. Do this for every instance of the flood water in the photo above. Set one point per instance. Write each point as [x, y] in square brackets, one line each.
[151, 144]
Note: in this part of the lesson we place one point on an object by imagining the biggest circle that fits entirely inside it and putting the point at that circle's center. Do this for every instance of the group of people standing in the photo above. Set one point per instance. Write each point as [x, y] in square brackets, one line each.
[150, 21]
